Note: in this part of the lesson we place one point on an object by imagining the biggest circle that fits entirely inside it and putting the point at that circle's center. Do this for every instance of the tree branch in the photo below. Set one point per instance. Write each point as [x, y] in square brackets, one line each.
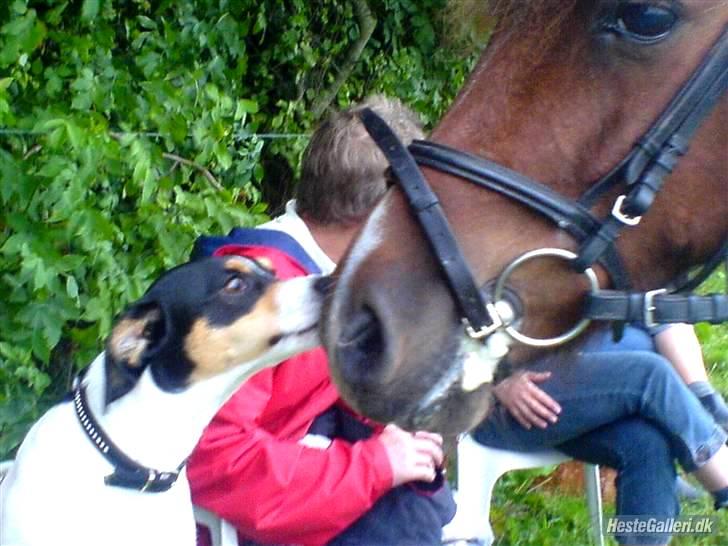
[32, 151]
[178, 159]
[205, 172]
[367, 23]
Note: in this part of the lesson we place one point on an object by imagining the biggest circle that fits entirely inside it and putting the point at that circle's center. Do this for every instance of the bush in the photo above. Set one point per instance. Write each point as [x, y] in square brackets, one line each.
[130, 127]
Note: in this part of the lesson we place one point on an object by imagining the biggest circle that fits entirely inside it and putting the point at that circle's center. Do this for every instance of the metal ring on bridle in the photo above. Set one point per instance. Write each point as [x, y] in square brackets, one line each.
[540, 253]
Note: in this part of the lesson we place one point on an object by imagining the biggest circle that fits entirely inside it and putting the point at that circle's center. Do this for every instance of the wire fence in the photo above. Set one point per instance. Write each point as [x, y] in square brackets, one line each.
[6, 131]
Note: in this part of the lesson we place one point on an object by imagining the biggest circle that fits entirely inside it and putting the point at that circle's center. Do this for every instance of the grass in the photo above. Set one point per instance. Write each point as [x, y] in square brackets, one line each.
[525, 512]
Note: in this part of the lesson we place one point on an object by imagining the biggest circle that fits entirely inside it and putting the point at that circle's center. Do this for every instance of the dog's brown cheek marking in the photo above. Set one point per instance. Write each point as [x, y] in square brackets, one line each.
[215, 350]
[127, 341]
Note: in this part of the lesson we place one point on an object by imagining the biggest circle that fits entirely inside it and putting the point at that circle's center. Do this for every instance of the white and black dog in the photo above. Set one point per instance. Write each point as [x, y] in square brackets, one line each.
[107, 467]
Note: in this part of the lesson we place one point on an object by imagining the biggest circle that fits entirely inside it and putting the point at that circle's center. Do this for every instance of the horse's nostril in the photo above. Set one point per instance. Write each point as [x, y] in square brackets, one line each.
[360, 348]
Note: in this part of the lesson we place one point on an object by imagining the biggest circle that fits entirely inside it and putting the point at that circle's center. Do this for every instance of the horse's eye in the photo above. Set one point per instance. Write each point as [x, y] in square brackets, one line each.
[235, 285]
[644, 22]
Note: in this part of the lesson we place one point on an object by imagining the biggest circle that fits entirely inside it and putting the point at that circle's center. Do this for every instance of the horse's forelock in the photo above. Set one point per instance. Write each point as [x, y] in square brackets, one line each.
[539, 18]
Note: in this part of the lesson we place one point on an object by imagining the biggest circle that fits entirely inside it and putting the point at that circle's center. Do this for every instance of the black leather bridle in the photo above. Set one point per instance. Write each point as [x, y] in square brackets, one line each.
[641, 173]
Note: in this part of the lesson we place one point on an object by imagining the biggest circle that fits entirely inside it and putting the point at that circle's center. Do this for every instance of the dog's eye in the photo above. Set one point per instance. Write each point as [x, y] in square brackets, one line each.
[235, 285]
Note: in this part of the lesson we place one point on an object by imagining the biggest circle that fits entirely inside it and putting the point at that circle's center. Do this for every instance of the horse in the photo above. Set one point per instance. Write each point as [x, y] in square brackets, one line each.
[594, 99]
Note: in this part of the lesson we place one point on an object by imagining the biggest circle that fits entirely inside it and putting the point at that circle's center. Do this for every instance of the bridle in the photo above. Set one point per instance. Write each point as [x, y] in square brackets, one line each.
[641, 174]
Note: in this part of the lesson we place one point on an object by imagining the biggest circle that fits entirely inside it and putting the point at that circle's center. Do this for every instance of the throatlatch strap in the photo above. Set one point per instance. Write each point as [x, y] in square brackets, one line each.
[656, 308]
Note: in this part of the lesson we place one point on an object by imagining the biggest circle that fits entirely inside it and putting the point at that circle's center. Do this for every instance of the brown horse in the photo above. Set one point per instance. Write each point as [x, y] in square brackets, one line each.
[561, 95]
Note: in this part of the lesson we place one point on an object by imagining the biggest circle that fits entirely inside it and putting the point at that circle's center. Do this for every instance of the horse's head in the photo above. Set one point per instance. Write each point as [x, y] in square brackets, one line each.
[562, 94]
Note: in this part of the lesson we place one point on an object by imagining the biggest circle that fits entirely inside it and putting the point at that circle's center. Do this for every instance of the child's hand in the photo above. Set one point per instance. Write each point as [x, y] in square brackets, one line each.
[414, 457]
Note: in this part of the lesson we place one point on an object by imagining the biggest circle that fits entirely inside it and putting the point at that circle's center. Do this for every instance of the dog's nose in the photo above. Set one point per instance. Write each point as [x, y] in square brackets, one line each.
[324, 284]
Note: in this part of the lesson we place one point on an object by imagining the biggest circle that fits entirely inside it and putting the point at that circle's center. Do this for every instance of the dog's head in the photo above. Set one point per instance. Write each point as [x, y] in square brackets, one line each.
[206, 317]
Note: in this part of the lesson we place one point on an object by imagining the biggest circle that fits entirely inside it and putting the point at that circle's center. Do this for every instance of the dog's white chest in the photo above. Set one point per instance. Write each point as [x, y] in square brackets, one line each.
[55, 494]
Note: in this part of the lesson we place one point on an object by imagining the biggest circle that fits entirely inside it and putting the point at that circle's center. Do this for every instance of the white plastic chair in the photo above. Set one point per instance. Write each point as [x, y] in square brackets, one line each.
[479, 468]
[222, 533]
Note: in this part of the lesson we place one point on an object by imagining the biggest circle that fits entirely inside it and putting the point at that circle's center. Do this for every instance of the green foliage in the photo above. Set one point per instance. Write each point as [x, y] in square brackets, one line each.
[128, 128]
[526, 511]
[523, 512]
[714, 339]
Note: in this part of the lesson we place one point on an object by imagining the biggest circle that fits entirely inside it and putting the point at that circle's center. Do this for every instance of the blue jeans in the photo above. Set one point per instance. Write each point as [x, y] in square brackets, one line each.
[623, 406]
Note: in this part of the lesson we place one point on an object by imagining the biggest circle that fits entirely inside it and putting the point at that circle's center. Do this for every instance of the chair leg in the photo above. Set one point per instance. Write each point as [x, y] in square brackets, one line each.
[212, 522]
[480, 467]
[594, 502]
[228, 534]
[477, 475]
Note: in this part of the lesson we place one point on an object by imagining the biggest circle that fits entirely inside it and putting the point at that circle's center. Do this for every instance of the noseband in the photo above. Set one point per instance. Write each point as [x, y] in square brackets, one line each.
[641, 173]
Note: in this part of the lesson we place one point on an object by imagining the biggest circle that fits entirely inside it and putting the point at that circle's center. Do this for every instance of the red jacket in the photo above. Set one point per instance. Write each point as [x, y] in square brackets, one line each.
[250, 469]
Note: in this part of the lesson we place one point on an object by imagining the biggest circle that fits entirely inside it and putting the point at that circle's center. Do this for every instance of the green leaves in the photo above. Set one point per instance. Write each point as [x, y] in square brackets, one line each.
[20, 36]
[130, 128]
[89, 10]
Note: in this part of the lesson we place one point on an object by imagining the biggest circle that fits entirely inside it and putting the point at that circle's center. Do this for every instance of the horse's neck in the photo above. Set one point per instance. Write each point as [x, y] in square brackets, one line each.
[155, 428]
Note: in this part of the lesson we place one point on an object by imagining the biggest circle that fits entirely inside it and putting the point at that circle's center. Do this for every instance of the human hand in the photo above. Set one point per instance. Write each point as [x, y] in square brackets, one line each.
[526, 402]
[413, 457]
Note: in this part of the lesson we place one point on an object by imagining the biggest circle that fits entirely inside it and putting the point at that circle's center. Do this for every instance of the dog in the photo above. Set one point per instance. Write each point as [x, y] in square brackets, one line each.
[107, 466]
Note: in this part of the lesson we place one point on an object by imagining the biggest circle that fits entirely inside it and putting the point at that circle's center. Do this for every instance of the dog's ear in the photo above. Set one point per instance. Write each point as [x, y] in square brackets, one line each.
[137, 331]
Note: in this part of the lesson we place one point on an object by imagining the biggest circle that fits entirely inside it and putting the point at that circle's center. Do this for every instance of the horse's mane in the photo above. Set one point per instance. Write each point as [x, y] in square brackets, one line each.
[543, 18]
[532, 13]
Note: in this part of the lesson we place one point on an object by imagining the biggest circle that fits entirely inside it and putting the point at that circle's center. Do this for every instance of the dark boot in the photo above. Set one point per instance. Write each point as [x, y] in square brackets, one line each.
[721, 498]
[687, 492]
[712, 401]
[716, 406]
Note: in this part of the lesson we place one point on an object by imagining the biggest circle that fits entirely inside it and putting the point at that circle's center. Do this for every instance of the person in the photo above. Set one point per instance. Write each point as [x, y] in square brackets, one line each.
[285, 461]
[622, 405]
[680, 345]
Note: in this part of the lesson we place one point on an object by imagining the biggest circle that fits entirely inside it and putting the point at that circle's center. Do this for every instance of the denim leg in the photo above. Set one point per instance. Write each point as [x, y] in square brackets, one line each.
[642, 456]
[598, 388]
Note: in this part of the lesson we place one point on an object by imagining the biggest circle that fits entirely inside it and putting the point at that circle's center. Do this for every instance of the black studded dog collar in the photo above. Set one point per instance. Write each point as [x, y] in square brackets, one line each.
[127, 472]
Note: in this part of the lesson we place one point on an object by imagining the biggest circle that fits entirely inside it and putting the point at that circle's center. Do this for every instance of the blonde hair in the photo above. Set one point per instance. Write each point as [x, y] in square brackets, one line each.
[343, 170]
